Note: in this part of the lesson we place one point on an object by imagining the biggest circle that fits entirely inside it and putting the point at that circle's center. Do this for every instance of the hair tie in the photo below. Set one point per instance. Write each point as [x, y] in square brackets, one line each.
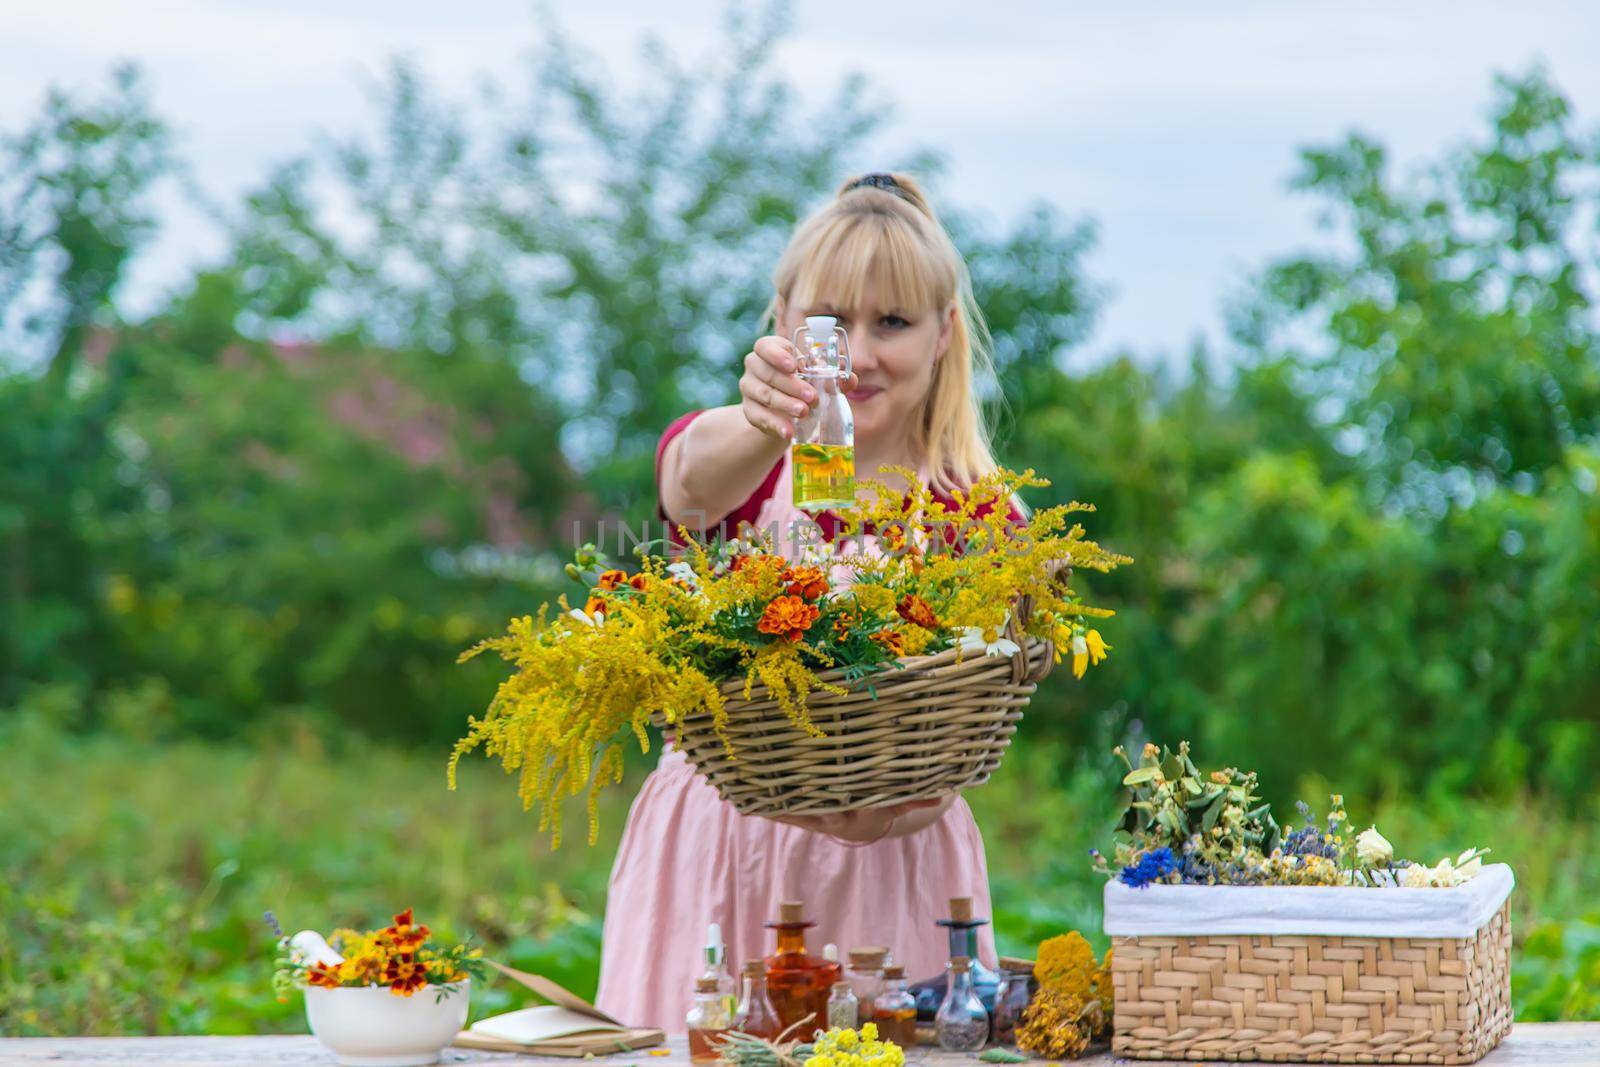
[882, 181]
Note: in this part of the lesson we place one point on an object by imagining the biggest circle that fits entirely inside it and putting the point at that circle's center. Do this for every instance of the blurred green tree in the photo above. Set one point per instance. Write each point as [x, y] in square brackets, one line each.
[75, 204]
[1371, 548]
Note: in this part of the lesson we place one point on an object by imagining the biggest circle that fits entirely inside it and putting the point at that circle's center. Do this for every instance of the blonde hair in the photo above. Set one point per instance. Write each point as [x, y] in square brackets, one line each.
[887, 231]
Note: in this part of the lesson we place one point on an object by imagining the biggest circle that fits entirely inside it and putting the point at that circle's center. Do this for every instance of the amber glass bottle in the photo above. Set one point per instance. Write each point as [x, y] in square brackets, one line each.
[798, 982]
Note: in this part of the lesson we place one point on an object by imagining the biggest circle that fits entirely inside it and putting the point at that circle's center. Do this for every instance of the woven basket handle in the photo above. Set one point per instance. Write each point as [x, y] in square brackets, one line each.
[1022, 669]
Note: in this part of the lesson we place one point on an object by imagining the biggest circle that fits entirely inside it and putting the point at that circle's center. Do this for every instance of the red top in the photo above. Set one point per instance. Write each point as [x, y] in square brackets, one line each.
[747, 511]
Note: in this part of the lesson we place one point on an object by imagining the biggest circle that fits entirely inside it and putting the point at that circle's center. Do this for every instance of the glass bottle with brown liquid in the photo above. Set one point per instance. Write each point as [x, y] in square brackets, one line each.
[756, 1015]
[895, 1010]
[707, 1021]
[798, 982]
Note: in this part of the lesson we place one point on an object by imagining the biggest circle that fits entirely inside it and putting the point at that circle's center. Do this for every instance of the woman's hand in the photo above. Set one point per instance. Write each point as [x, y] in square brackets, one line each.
[874, 824]
[772, 394]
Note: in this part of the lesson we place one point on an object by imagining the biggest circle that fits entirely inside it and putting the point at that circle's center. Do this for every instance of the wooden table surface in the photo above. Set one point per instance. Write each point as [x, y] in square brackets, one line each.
[1545, 1044]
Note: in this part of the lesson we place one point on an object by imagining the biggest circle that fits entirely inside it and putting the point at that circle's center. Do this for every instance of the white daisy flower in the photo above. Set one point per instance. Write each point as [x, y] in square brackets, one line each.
[973, 639]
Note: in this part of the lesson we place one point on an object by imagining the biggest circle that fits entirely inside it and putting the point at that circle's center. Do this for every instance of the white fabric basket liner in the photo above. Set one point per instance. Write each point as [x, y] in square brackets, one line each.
[1340, 911]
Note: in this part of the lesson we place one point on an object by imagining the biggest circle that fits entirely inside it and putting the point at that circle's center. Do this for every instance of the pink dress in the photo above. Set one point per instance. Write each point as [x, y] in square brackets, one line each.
[688, 859]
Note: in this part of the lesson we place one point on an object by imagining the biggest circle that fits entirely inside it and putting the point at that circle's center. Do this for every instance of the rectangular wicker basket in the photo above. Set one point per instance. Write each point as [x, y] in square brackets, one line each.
[1314, 998]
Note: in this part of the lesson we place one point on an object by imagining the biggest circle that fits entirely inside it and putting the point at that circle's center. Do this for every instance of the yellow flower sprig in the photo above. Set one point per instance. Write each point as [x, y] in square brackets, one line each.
[854, 1048]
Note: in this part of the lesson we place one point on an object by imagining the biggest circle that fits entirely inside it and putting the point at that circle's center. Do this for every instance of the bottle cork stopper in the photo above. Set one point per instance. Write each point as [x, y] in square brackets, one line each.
[754, 968]
[1015, 963]
[792, 911]
[961, 909]
[705, 985]
[894, 970]
[868, 957]
[960, 963]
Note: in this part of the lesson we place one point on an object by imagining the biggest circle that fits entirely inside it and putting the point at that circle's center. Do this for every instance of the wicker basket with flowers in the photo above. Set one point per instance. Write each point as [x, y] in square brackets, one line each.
[892, 666]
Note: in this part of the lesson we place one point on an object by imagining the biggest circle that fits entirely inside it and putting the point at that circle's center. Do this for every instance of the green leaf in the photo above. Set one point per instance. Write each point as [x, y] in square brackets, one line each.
[1142, 776]
[1168, 817]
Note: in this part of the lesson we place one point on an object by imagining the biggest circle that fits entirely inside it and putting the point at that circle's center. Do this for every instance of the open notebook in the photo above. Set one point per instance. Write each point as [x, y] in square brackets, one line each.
[567, 1026]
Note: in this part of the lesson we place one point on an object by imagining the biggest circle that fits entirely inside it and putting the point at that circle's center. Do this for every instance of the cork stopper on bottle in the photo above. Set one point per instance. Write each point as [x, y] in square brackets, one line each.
[792, 911]
[960, 963]
[894, 970]
[705, 985]
[961, 909]
[868, 957]
[754, 968]
[1016, 963]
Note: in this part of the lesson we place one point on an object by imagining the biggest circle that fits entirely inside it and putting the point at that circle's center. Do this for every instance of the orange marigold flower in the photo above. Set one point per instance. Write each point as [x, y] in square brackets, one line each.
[595, 605]
[638, 581]
[324, 975]
[406, 934]
[892, 641]
[404, 975]
[609, 580]
[806, 582]
[788, 617]
[914, 609]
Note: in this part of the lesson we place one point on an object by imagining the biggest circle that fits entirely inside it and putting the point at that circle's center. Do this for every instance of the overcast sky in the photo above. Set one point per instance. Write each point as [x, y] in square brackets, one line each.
[1174, 126]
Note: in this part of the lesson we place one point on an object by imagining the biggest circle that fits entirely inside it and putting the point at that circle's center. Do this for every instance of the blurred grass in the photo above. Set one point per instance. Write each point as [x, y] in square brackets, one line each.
[138, 871]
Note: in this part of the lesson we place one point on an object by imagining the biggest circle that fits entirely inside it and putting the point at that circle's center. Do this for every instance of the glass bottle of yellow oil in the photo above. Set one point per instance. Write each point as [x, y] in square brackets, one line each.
[822, 458]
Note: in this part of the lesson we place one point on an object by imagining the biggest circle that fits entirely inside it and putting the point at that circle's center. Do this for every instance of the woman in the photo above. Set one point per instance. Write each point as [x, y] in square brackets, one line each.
[878, 260]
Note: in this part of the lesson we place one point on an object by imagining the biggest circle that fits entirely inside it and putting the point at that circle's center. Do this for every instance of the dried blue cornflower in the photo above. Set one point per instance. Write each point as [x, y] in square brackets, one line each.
[1152, 866]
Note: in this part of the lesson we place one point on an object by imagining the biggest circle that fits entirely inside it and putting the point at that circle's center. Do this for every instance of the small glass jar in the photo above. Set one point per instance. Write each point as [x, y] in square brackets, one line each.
[1017, 986]
[962, 1024]
[842, 1006]
[866, 978]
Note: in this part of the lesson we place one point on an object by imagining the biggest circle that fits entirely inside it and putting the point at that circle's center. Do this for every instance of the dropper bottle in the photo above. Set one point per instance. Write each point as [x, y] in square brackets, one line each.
[717, 967]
